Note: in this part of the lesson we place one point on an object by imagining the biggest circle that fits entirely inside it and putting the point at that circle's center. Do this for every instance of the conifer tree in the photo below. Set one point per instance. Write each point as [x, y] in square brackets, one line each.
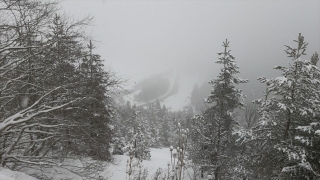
[290, 116]
[140, 136]
[216, 125]
[51, 108]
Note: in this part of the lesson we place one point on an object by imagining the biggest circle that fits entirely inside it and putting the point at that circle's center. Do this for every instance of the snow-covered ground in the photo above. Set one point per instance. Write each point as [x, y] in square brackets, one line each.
[7, 174]
[117, 170]
[114, 171]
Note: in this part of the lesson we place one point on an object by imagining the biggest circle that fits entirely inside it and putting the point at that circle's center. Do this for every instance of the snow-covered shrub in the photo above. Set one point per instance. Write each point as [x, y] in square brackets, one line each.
[160, 174]
[179, 155]
[118, 146]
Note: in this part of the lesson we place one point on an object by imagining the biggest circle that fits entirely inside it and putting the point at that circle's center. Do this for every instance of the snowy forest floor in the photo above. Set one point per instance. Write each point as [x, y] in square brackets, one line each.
[114, 171]
[159, 159]
[117, 170]
[7, 174]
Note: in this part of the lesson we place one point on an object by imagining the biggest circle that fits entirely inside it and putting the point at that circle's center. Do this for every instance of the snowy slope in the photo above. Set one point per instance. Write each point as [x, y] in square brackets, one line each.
[170, 75]
[177, 95]
[7, 174]
[182, 97]
[159, 159]
[114, 171]
[117, 170]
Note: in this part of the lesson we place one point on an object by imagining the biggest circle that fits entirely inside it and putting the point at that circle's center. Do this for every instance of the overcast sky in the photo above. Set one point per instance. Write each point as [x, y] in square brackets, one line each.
[140, 38]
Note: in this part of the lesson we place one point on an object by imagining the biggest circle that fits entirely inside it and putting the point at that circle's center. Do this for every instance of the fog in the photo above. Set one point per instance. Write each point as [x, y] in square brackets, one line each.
[142, 38]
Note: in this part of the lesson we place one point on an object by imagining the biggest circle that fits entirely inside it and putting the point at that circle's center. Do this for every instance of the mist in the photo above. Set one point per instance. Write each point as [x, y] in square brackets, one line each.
[139, 90]
[138, 39]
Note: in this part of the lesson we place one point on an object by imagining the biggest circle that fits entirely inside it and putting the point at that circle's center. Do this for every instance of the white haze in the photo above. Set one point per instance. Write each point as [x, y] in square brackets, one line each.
[141, 38]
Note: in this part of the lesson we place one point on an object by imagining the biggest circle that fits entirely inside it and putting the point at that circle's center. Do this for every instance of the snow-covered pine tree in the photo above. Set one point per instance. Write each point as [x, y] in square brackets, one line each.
[140, 135]
[154, 122]
[291, 111]
[216, 133]
[224, 94]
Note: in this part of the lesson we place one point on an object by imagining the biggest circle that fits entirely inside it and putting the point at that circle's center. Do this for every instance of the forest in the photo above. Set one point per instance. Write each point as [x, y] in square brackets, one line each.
[58, 110]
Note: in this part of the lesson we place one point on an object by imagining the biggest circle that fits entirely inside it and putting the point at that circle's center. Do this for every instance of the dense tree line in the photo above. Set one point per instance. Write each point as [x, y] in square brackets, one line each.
[157, 124]
[53, 87]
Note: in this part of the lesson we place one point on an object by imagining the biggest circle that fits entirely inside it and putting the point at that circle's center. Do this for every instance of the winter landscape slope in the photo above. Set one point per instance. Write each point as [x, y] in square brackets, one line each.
[117, 170]
[177, 95]
[7, 174]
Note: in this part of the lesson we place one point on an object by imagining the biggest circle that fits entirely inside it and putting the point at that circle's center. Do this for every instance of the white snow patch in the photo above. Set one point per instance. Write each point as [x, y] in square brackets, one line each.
[182, 97]
[117, 170]
[7, 174]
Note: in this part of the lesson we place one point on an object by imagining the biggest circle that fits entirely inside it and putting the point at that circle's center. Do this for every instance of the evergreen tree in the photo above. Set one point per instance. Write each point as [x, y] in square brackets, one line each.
[140, 135]
[290, 117]
[215, 127]
[49, 102]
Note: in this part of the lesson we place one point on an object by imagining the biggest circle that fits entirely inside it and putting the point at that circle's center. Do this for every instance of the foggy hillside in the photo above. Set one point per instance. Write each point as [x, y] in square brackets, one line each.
[159, 90]
[148, 38]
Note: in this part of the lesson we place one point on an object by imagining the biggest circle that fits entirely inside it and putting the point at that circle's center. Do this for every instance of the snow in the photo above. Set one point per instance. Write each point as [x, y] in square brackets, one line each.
[117, 170]
[114, 171]
[182, 98]
[7, 174]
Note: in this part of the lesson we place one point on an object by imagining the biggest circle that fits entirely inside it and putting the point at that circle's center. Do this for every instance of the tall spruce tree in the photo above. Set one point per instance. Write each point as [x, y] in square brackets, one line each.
[290, 118]
[216, 133]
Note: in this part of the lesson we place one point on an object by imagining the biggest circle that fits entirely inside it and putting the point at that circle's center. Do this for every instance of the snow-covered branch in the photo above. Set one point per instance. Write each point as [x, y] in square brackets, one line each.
[32, 111]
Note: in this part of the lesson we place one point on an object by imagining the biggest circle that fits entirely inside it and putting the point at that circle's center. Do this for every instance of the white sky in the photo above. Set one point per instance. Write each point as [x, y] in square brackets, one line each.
[140, 38]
